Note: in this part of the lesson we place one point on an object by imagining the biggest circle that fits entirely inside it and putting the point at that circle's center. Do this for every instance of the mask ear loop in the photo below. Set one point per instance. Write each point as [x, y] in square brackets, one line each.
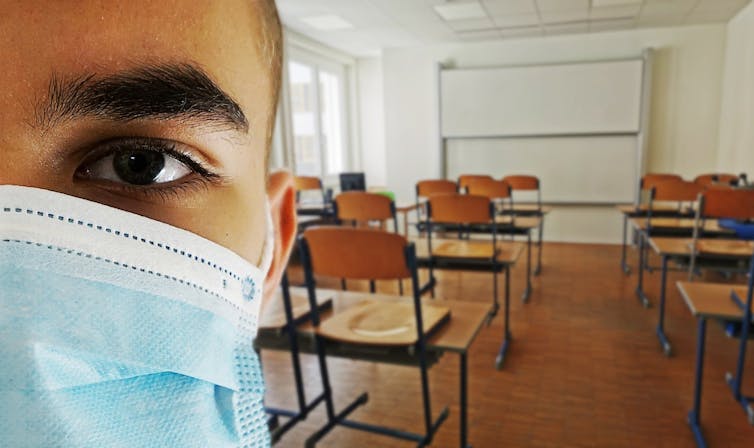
[269, 241]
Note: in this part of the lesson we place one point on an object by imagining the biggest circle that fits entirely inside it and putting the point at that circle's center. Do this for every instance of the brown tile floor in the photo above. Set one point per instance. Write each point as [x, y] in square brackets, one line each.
[585, 369]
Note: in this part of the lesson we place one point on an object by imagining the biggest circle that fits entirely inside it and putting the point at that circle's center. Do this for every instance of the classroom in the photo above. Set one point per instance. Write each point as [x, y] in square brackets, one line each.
[514, 220]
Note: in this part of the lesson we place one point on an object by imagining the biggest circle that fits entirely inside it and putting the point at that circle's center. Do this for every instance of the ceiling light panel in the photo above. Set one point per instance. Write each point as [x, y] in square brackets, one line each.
[461, 11]
[327, 22]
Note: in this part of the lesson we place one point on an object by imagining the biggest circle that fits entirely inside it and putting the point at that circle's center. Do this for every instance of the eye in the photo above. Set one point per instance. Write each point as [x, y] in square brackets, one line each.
[139, 163]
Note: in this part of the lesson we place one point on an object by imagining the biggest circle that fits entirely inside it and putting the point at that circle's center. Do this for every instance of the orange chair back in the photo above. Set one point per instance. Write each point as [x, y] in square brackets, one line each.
[735, 204]
[522, 182]
[712, 178]
[464, 180]
[427, 188]
[652, 179]
[677, 190]
[460, 208]
[304, 183]
[491, 189]
[358, 254]
[363, 206]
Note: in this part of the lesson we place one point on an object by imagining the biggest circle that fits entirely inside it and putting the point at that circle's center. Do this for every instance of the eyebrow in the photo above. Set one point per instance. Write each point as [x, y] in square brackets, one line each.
[181, 92]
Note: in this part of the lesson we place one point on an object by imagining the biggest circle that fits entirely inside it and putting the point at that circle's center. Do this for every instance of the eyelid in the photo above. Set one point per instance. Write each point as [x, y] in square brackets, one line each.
[194, 160]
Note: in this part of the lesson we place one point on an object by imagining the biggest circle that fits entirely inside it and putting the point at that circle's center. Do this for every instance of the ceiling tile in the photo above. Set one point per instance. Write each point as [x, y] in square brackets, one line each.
[480, 35]
[570, 28]
[614, 12]
[516, 20]
[562, 5]
[576, 15]
[472, 25]
[513, 33]
[667, 8]
[611, 25]
[609, 3]
[506, 7]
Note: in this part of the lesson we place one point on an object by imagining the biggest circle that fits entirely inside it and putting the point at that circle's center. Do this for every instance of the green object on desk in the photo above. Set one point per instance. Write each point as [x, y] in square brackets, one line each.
[389, 194]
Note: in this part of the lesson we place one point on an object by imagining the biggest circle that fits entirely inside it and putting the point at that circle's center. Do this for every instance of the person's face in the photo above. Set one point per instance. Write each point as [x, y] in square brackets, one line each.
[158, 108]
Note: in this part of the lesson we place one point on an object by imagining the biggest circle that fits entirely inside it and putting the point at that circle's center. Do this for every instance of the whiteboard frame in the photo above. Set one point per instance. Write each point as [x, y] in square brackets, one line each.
[642, 135]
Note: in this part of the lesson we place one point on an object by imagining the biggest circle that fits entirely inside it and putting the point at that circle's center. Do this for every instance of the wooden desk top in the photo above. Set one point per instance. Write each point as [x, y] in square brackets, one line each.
[456, 335]
[710, 225]
[405, 207]
[508, 252]
[520, 222]
[712, 300]
[628, 209]
[705, 246]
[273, 314]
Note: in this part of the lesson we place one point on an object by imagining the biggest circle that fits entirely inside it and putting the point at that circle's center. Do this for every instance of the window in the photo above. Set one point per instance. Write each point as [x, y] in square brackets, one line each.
[317, 100]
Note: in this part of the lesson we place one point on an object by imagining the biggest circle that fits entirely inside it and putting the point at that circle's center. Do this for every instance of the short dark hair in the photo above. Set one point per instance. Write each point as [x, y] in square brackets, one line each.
[272, 52]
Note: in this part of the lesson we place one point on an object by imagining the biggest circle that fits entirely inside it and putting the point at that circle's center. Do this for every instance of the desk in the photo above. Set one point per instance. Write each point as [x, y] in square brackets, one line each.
[679, 248]
[708, 301]
[633, 211]
[455, 336]
[465, 258]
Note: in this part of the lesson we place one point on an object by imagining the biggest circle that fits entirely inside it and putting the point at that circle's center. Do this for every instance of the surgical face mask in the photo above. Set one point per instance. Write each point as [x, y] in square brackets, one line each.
[120, 331]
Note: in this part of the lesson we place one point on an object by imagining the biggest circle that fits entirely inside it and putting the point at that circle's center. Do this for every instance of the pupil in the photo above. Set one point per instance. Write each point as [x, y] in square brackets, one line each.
[138, 167]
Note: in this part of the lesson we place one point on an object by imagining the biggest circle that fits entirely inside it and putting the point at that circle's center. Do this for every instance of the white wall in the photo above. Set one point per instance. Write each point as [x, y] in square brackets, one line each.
[372, 120]
[736, 153]
[685, 108]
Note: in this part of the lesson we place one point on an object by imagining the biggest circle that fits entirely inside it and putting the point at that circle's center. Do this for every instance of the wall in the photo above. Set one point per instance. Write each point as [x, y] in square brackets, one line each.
[736, 153]
[372, 120]
[685, 108]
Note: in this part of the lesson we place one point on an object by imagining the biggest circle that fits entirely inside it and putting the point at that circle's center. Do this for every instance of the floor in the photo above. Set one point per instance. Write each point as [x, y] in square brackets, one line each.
[585, 369]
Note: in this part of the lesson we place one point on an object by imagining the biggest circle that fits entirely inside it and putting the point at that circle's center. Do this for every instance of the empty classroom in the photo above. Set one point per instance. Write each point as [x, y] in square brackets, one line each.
[522, 223]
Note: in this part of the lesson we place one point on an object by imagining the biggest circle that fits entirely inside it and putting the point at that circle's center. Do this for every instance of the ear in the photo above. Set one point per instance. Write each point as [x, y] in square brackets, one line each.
[282, 197]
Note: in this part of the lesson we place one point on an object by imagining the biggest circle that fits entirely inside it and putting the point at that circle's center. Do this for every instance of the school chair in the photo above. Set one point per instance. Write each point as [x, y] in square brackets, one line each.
[458, 212]
[501, 194]
[524, 182]
[365, 254]
[465, 179]
[651, 179]
[308, 184]
[718, 204]
[362, 208]
[424, 190]
[717, 178]
[497, 191]
[463, 212]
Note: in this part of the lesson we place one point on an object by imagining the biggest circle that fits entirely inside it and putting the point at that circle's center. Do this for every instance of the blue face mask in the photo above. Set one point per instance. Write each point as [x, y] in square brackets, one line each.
[120, 331]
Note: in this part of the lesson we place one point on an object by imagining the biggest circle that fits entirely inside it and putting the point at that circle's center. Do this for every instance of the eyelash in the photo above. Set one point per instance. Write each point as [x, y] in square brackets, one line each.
[200, 179]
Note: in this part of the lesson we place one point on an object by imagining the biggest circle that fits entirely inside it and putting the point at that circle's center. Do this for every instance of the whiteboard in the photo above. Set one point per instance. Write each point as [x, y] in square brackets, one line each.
[579, 98]
[599, 169]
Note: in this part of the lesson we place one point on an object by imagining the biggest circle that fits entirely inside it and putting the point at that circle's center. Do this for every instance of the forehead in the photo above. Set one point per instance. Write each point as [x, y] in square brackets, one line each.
[39, 37]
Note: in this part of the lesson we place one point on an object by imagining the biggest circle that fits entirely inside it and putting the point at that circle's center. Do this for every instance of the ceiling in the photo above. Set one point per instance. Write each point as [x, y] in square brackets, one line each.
[365, 27]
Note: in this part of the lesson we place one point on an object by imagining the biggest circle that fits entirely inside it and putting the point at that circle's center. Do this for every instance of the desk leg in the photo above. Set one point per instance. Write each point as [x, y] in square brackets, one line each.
[464, 402]
[664, 342]
[527, 292]
[506, 332]
[640, 282]
[734, 382]
[694, 415]
[538, 269]
[623, 264]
